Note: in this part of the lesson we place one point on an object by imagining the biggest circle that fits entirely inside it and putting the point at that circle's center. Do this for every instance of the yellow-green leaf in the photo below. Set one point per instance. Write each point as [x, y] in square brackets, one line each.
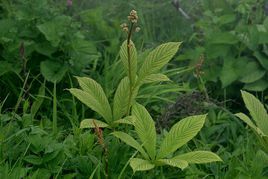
[246, 119]
[199, 157]
[121, 99]
[131, 142]
[156, 78]
[145, 128]
[257, 111]
[180, 134]
[129, 64]
[182, 164]
[156, 59]
[126, 120]
[89, 123]
[93, 89]
[138, 164]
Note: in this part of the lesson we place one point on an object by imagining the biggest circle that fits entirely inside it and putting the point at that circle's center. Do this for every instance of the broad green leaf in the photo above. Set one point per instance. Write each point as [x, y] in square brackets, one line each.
[54, 30]
[8, 67]
[246, 119]
[95, 90]
[138, 164]
[90, 101]
[89, 123]
[45, 48]
[33, 159]
[6, 24]
[257, 111]
[254, 76]
[156, 78]
[227, 18]
[180, 134]
[215, 51]
[228, 73]
[83, 46]
[126, 120]
[53, 71]
[129, 64]
[131, 142]
[157, 59]
[199, 157]
[259, 85]
[47, 157]
[262, 59]
[182, 164]
[223, 38]
[121, 99]
[251, 72]
[145, 128]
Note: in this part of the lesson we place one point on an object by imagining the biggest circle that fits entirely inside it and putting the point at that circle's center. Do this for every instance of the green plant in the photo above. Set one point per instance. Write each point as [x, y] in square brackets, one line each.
[179, 135]
[259, 122]
[233, 37]
[94, 96]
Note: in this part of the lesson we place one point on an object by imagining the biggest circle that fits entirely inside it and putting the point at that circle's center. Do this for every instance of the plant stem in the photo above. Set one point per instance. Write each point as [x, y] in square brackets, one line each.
[55, 108]
[128, 54]
[129, 68]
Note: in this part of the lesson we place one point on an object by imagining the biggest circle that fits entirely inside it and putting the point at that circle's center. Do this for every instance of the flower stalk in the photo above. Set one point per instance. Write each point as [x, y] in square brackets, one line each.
[133, 19]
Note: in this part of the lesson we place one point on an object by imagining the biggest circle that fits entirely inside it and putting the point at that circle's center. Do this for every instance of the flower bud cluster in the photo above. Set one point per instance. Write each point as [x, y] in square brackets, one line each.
[124, 26]
[133, 18]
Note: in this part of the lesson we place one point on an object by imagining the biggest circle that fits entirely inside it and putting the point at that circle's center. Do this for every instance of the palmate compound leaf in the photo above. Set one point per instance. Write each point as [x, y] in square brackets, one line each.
[180, 134]
[90, 123]
[131, 142]
[198, 157]
[93, 89]
[156, 59]
[133, 59]
[138, 164]
[145, 128]
[257, 111]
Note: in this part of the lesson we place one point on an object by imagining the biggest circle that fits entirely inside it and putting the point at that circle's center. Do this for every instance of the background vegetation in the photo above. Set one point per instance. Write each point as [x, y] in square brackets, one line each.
[45, 44]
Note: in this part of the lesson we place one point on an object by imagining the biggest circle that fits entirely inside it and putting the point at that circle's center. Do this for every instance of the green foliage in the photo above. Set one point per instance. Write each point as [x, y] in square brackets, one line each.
[145, 128]
[94, 97]
[53, 71]
[179, 135]
[259, 122]
[121, 99]
[44, 43]
[156, 60]
[232, 36]
[130, 69]
[46, 33]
